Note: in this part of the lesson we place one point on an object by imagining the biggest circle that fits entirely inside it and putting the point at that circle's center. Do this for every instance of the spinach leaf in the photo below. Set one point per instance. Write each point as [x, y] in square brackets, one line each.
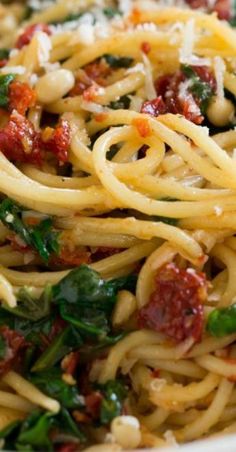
[117, 62]
[32, 331]
[51, 383]
[41, 237]
[86, 301]
[200, 89]
[34, 433]
[31, 308]
[5, 81]
[67, 341]
[114, 393]
[166, 220]
[111, 12]
[9, 433]
[122, 103]
[222, 321]
[4, 54]
[3, 347]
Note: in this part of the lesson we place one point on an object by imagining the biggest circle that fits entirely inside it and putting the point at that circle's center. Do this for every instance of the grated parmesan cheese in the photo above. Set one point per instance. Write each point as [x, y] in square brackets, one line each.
[19, 70]
[9, 218]
[92, 107]
[85, 34]
[186, 51]
[125, 6]
[33, 79]
[44, 47]
[13, 53]
[219, 68]
[147, 26]
[149, 83]
[50, 67]
[157, 384]
[218, 211]
[170, 438]
[139, 67]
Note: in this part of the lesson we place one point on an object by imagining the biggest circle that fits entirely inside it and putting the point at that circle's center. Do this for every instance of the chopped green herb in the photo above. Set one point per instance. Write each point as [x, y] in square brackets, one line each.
[166, 220]
[200, 89]
[114, 393]
[5, 81]
[35, 432]
[111, 12]
[222, 321]
[86, 301]
[41, 237]
[3, 347]
[4, 54]
[122, 103]
[50, 381]
[67, 341]
[118, 62]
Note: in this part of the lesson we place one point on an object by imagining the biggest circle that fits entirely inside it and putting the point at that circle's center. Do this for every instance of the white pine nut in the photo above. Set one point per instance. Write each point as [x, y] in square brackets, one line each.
[54, 85]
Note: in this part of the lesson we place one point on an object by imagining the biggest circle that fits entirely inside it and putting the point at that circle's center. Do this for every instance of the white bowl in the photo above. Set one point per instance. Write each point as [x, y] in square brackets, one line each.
[220, 444]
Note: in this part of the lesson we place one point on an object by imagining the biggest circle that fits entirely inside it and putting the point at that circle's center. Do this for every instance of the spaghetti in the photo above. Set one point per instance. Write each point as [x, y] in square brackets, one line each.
[117, 224]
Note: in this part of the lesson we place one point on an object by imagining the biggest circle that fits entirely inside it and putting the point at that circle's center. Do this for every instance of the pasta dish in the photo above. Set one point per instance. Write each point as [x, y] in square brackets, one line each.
[117, 223]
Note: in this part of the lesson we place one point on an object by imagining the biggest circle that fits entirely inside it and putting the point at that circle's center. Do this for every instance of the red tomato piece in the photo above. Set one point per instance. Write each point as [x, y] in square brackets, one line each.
[223, 9]
[195, 4]
[178, 99]
[19, 141]
[67, 447]
[21, 97]
[25, 38]
[93, 72]
[93, 403]
[70, 362]
[142, 126]
[146, 47]
[101, 252]
[175, 307]
[15, 343]
[154, 107]
[3, 62]
[58, 141]
[72, 258]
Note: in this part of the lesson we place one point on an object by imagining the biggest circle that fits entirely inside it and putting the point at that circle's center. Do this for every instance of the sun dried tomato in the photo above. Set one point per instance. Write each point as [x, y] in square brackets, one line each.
[58, 141]
[195, 4]
[74, 257]
[14, 343]
[18, 244]
[92, 73]
[93, 403]
[154, 107]
[25, 38]
[3, 62]
[175, 307]
[146, 47]
[98, 71]
[70, 362]
[19, 141]
[57, 326]
[101, 252]
[67, 447]
[206, 75]
[142, 126]
[223, 9]
[90, 93]
[21, 97]
[171, 99]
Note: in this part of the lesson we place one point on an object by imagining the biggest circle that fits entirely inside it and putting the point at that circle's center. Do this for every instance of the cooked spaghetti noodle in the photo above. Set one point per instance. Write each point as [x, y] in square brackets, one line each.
[117, 218]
